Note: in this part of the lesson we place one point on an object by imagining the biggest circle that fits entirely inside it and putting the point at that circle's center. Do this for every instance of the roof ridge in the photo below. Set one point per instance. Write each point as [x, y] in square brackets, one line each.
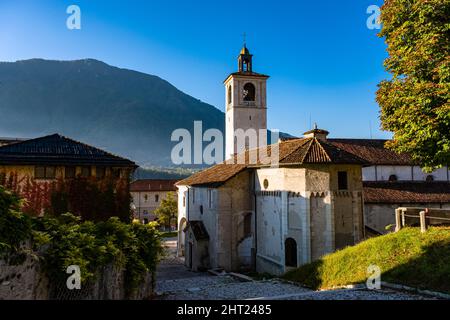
[307, 150]
[54, 146]
[323, 149]
[58, 135]
[90, 146]
[305, 140]
[32, 140]
[313, 142]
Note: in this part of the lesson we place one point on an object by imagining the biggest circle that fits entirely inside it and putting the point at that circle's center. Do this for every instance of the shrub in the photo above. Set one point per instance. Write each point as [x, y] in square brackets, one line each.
[67, 240]
[90, 198]
[15, 227]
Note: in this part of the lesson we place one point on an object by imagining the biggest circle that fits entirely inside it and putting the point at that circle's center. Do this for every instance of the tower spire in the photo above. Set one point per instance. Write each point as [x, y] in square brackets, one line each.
[245, 58]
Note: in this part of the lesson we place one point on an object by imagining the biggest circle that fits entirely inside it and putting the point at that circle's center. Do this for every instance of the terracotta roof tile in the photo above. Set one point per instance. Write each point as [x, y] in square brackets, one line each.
[315, 151]
[153, 185]
[406, 192]
[373, 151]
[295, 151]
[215, 175]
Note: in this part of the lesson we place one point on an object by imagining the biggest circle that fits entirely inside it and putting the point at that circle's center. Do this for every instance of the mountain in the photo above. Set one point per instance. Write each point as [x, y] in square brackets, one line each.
[126, 112]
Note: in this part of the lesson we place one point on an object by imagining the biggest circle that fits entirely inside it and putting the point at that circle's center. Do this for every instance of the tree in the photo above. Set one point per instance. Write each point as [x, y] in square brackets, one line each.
[415, 103]
[167, 210]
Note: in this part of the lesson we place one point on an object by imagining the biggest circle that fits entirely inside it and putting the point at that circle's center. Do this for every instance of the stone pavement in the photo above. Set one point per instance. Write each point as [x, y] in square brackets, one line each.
[176, 282]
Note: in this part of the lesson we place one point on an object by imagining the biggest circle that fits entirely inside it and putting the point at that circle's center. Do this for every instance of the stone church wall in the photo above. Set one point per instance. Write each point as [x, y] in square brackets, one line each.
[319, 227]
[344, 220]
[235, 202]
[269, 232]
[298, 220]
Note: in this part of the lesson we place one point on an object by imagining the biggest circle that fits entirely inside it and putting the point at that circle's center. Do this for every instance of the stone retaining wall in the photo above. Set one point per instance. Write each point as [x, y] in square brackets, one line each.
[27, 281]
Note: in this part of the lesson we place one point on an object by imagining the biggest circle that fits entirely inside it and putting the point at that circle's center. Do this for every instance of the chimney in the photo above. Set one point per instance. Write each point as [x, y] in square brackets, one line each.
[319, 134]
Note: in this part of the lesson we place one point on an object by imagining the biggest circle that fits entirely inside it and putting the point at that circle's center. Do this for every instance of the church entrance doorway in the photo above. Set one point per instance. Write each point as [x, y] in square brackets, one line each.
[290, 248]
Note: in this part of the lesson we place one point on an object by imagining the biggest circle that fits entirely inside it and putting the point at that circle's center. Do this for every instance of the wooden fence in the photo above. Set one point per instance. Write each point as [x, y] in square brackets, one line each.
[423, 217]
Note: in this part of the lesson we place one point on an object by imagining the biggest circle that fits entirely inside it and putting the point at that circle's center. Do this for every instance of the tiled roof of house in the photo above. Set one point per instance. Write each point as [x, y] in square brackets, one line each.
[406, 192]
[153, 185]
[215, 175]
[58, 150]
[295, 151]
[311, 150]
[373, 151]
[6, 141]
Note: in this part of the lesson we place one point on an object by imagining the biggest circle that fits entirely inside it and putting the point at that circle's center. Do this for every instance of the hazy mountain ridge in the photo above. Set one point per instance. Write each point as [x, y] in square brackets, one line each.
[123, 111]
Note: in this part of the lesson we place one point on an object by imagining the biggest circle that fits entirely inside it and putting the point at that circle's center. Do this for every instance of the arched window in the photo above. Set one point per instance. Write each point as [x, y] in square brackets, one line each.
[392, 178]
[249, 92]
[229, 94]
[290, 247]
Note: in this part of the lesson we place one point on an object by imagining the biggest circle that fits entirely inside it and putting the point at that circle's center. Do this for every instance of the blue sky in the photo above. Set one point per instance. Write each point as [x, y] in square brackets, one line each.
[324, 62]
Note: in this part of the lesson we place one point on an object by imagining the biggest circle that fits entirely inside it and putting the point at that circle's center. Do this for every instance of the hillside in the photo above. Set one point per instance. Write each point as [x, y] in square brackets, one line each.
[163, 173]
[407, 257]
[123, 111]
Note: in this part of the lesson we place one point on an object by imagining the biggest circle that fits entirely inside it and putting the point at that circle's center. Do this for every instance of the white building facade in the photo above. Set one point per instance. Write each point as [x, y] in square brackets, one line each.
[324, 194]
[147, 195]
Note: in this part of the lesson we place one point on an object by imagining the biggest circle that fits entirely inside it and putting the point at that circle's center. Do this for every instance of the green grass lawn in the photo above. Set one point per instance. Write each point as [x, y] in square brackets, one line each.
[408, 257]
[169, 234]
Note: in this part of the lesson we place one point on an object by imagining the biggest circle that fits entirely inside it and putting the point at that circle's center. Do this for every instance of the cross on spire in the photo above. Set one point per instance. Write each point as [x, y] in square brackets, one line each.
[244, 36]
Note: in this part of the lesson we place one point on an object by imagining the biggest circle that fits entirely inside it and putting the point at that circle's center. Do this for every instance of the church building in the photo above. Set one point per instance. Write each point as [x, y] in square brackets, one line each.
[270, 218]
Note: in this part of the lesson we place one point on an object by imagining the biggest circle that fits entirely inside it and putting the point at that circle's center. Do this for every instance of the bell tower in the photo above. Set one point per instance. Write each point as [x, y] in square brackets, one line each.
[246, 106]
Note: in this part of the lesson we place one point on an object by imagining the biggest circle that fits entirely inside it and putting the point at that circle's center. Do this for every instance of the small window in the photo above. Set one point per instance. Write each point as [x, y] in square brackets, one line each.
[41, 172]
[100, 172]
[116, 173]
[342, 180]
[229, 94]
[145, 197]
[429, 178]
[184, 201]
[266, 183]
[145, 221]
[392, 178]
[85, 172]
[50, 172]
[201, 209]
[156, 197]
[70, 172]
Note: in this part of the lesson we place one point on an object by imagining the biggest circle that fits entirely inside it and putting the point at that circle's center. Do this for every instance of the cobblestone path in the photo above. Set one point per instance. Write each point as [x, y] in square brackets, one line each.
[176, 282]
